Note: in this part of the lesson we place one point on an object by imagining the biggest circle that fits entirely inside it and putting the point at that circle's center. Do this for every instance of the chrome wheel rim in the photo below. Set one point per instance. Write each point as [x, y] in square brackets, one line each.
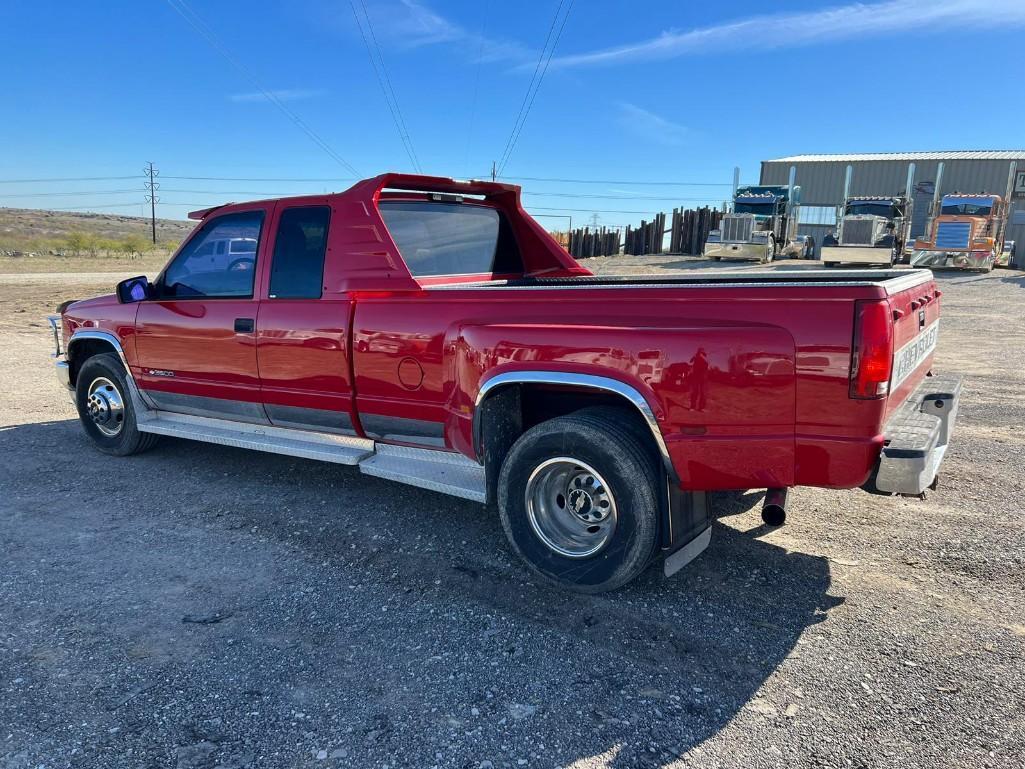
[105, 406]
[570, 507]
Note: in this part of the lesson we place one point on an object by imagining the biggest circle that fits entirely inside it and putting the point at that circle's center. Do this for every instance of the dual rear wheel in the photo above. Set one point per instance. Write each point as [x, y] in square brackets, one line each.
[577, 496]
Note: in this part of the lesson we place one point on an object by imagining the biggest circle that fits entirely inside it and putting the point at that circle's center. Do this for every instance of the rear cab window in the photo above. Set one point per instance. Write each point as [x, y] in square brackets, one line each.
[297, 265]
[439, 239]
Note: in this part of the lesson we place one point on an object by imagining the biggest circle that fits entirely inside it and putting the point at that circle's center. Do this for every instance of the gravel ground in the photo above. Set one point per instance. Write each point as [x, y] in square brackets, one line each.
[200, 606]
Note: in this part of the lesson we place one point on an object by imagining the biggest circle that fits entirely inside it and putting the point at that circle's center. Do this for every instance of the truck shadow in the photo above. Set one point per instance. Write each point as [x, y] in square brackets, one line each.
[639, 677]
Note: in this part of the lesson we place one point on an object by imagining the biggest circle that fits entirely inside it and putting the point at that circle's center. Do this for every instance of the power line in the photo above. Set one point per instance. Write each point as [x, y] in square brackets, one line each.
[389, 92]
[196, 22]
[518, 127]
[588, 210]
[68, 179]
[530, 85]
[104, 205]
[259, 178]
[63, 194]
[476, 82]
[620, 181]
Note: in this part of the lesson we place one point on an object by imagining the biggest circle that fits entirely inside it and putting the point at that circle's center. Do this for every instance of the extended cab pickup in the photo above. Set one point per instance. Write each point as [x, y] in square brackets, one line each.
[431, 332]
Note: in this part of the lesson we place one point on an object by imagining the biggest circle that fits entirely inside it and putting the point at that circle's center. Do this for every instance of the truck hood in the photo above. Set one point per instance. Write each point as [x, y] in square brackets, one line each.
[86, 304]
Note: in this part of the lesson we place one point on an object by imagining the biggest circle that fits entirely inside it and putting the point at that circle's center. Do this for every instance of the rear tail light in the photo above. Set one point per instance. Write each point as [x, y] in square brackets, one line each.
[872, 351]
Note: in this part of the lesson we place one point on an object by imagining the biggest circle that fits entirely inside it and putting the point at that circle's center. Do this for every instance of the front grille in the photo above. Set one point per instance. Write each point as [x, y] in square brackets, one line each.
[736, 229]
[953, 235]
[858, 232]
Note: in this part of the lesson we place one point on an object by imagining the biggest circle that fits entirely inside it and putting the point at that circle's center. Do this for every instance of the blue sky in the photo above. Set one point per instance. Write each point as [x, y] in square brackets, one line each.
[662, 91]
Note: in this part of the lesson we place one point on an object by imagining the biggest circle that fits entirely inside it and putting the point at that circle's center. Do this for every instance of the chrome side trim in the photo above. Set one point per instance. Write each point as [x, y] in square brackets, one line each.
[589, 381]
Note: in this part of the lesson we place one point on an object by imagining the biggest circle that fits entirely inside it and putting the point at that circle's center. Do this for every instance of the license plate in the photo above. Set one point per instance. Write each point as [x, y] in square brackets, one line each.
[910, 356]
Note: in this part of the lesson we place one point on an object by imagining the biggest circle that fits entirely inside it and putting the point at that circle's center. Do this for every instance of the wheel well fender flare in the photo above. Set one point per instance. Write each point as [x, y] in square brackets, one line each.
[103, 337]
[616, 387]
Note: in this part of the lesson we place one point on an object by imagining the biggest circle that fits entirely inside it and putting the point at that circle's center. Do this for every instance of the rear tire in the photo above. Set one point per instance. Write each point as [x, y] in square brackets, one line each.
[105, 407]
[578, 499]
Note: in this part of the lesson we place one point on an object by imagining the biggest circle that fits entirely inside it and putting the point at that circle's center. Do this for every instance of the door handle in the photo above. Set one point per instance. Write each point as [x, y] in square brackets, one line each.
[244, 325]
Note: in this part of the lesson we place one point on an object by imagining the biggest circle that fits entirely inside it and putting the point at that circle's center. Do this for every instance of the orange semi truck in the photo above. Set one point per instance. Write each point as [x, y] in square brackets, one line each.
[967, 232]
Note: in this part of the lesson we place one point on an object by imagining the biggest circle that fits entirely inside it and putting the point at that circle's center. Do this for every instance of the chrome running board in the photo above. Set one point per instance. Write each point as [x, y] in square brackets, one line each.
[442, 471]
[340, 449]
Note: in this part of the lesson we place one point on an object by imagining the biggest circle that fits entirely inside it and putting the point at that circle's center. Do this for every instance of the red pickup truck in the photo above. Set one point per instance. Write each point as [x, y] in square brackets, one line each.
[430, 332]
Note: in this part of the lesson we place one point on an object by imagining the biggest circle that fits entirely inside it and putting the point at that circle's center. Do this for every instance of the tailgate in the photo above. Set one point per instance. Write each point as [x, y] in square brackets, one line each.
[916, 313]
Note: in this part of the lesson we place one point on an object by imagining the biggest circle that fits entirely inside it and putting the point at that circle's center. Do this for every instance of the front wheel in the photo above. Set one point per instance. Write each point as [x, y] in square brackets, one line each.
[577, 496]
[105, 407]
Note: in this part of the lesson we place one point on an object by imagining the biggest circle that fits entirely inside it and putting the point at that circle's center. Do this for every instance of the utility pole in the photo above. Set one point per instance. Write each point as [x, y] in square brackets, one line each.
[594, 220]
[494, 170]
[151, 196]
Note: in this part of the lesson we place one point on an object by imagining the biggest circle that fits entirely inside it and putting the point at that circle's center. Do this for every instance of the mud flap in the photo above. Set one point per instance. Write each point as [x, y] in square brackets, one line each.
[687, 528]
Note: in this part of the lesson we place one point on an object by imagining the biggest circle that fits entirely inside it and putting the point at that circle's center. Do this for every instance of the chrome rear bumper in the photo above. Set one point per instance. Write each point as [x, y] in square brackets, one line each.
[917, 436]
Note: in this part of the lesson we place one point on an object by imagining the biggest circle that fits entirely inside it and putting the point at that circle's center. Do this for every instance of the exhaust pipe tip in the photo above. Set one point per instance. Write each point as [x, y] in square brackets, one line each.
[774, 508]
[774, 515]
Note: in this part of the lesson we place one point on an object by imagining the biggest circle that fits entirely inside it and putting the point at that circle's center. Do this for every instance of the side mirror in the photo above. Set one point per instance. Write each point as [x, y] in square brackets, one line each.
[134, 290]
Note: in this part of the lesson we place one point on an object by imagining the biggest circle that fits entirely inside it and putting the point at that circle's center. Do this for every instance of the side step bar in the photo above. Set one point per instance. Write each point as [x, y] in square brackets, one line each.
[442, 471]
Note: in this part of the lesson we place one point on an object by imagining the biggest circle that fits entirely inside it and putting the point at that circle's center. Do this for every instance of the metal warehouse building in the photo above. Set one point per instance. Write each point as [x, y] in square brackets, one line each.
[821, 178]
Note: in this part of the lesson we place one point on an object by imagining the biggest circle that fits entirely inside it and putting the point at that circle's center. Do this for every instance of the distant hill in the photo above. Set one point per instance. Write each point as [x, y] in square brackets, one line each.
[26, 229]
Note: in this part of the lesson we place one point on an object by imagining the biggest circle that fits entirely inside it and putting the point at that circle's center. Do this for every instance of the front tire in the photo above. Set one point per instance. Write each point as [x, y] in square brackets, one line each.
[105, 407]
[577, 496]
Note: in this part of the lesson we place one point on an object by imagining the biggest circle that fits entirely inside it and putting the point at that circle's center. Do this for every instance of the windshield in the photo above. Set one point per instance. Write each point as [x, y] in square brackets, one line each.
[761, 209]
[963, 207]
[886, 210]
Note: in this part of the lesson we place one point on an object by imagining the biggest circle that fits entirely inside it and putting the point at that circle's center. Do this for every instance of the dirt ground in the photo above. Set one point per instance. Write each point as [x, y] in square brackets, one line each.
[200, 606]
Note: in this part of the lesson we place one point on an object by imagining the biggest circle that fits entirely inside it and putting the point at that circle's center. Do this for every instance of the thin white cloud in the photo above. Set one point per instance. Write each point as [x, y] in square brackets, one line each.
[284, 94]
[785, 30]
[412, 24]
[649, 127]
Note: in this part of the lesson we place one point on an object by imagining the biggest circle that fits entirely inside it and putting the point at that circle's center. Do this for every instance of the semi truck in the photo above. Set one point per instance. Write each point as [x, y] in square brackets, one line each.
[871, 229]
[966, 230]
[761, 225]
[428, 331]
[967, 233]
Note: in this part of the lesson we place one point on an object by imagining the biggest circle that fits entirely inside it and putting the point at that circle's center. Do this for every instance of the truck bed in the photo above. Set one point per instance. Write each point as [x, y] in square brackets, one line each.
[892, 281]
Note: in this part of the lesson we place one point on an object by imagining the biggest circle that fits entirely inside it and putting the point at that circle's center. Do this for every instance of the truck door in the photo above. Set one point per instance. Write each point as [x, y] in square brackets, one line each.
[196, 340]
[302, 340]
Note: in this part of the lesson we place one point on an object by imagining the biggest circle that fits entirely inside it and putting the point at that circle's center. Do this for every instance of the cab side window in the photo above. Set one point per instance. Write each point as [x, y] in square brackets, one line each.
[218, 262]
[297, 267]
